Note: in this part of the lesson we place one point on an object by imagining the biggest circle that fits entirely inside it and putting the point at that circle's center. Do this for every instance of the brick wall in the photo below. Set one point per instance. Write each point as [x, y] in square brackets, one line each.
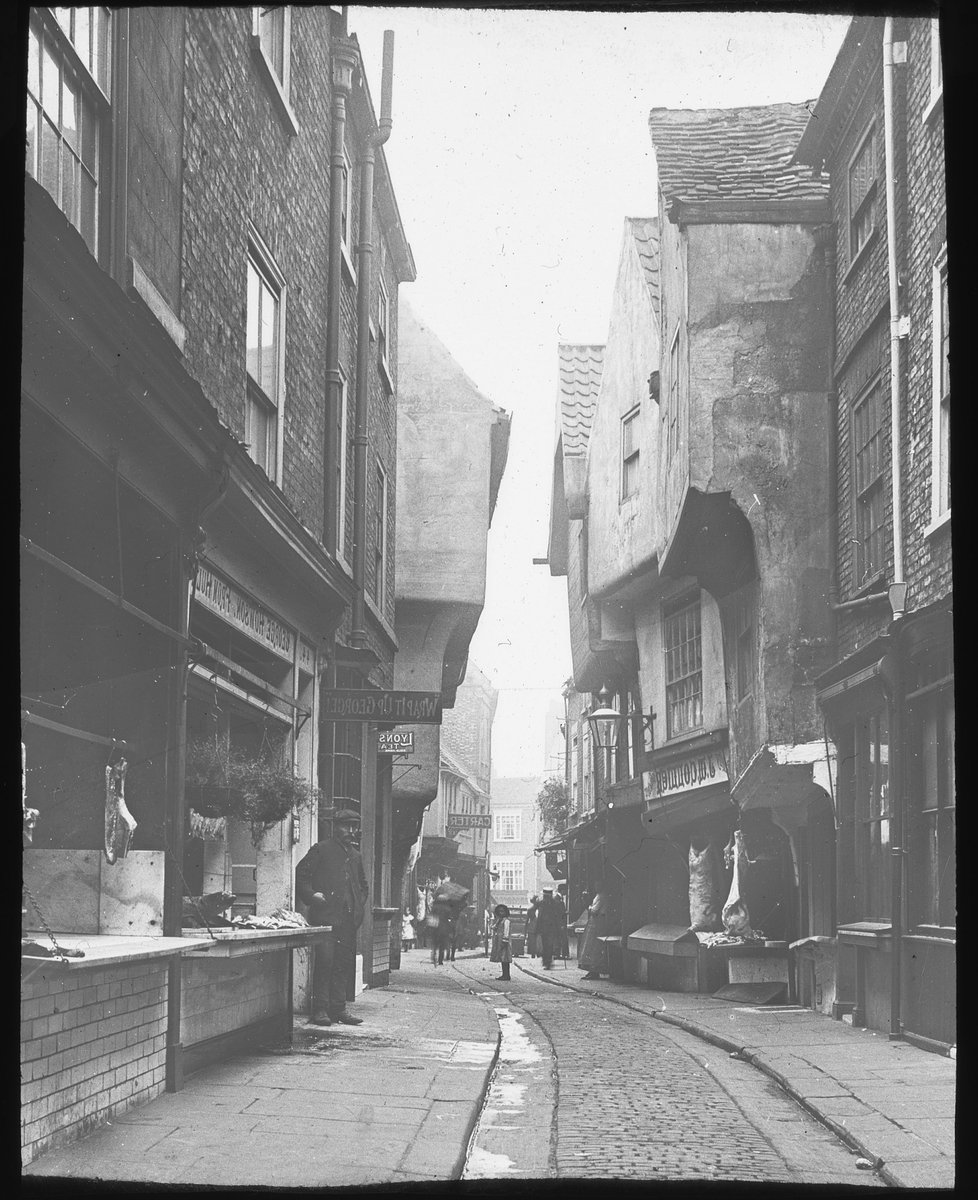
[862, 303]
[93, 1043]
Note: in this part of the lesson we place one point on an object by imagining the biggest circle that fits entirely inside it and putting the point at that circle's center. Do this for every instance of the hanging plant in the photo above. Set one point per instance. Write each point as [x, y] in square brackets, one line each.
[211, 778]
[262, 790]
[272, 791]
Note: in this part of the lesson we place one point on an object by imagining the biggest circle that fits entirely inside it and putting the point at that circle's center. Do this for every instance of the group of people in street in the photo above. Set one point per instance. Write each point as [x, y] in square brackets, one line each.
[546, 928]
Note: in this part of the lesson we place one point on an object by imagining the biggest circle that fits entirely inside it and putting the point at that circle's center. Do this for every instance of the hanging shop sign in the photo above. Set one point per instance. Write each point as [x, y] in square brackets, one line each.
[469, 821]
[231, 604]
[702, 769]
[405, 708]
[395, 741]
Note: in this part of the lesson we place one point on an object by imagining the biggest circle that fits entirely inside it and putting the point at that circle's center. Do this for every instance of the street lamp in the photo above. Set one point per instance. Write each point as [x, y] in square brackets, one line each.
[607, 722]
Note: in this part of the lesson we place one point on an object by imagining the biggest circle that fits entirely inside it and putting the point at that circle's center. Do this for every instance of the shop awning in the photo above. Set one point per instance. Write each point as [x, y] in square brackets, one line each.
[684, 807]
[678, 941]
[569, 836]
[786, 776]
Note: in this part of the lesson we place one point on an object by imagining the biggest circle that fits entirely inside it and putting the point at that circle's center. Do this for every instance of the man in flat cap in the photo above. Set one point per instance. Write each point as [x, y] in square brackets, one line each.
[331, 881]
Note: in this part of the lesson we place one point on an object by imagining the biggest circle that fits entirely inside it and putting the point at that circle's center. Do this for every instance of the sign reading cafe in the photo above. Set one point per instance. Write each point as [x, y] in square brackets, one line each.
[702, 769]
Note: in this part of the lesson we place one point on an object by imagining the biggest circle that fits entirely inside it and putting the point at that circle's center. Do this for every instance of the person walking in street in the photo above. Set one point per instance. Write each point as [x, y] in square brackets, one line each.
[331, 882]
[549, 927]
[598, 919]
[501, 947]
[562, 948]
[531, 926]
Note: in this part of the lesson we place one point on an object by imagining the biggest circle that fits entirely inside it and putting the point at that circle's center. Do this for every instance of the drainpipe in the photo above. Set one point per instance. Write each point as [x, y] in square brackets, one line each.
[358, 632]
[344, 61]
[826, 236]
[895, 733]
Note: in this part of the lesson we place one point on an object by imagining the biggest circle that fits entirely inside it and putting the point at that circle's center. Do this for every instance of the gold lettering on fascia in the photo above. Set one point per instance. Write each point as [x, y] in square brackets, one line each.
[241, 611]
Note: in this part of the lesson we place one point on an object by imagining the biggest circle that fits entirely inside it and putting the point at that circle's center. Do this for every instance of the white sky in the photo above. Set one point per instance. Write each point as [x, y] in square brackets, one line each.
[520, 144]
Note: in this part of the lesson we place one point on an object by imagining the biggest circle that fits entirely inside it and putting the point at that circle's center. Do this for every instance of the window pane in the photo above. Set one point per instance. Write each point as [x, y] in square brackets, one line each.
[69, 114]
[89, 138]
[82, 38]
[50, 85]
[272, 36]
[269, 343]
[50, 159]
[253, 324]
[31, 161]
[102, 48]
[88, 216]
[69, 185]
[34, 65]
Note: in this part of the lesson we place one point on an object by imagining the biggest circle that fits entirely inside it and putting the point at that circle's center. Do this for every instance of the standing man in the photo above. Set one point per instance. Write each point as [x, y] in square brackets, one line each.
[331, 881]
[548, 927]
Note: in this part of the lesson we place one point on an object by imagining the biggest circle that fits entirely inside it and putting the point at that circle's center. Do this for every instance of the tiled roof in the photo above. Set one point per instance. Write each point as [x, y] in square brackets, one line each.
[732, 153]
[580, 378]
[645, 230]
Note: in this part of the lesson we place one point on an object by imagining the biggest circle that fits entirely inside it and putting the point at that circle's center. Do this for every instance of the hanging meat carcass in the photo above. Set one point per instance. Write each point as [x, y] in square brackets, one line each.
[119, 821]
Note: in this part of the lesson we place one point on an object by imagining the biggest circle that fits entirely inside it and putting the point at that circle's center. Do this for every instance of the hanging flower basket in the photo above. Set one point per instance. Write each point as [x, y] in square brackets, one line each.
[262, 790]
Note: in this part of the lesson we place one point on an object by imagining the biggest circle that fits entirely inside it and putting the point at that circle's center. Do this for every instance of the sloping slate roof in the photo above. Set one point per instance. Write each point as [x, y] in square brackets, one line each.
[580, 378]
[732, 153]
[645, 230]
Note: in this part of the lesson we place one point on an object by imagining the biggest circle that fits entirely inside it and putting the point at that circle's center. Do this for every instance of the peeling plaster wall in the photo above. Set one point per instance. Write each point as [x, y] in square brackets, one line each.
[622, 532]
[757, 345]
[671, 477]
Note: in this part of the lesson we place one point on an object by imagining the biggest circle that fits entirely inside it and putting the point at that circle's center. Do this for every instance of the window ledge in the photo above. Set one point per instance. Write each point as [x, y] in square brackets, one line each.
[938, 523]
[870, 587]
[934, 108]
[143, 287]
[348, 268]
[860, 258]
[279, 98]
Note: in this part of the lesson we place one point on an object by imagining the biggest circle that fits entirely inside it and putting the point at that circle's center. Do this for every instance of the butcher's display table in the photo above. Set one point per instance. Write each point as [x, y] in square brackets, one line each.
[236, 991]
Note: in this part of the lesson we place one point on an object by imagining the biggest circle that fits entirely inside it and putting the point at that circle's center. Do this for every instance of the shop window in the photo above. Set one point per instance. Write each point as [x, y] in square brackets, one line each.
[510, 874]
[68, 94]
[932, 890]
[380, 539]
[508, 826]
[862, 193]
[868, 464]
[941, 425]
[629, 452]
[682, 638]
[871, 782]
[265, 359]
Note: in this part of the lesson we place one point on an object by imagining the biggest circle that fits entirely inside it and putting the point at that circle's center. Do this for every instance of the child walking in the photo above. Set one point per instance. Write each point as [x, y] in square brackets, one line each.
[501, 951]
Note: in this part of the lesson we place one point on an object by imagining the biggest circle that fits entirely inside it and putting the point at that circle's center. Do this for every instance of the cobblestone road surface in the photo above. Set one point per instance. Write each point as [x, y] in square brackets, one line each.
[636, 1100]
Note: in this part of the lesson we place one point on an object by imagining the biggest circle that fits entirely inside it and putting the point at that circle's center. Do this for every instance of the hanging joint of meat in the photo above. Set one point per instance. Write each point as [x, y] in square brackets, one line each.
[119, 822]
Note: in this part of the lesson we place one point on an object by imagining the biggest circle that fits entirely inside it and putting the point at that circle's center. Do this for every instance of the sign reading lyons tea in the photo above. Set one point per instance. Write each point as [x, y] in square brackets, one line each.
[389, 708]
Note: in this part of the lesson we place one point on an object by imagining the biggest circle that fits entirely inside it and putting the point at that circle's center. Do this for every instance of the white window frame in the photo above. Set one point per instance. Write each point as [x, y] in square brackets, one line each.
[57, 35]
[869, 198]
[936, 102]
[940, 507]
[343, 434]
[680, 684]
[500, 820]
[260, 257]
[513, 868]
[630, 421]
[383, 322]
[279, 85]
[380, 552]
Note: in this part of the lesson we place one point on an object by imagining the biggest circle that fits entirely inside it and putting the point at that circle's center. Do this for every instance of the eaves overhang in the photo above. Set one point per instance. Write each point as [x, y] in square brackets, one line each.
[712, 541]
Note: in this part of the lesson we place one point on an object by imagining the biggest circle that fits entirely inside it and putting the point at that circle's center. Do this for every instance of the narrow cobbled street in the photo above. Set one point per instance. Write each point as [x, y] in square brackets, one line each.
[620, 1096]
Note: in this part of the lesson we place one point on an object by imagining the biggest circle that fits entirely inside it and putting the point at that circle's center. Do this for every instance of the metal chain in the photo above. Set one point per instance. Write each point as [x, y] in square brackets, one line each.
[47, 927]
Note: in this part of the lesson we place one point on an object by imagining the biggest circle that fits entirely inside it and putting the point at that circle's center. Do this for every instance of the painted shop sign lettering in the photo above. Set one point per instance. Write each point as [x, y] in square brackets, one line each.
[307, 657]
[395, 741]
[699, 770]
[404, 708]
[469, 821]
[238, 609]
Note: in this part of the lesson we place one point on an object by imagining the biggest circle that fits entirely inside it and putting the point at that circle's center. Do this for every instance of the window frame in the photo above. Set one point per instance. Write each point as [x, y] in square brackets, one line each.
[346, 215]
[940, 483]
[280, 86]
[630, 461]
[935, 103]
[381, 502]
[93, 102]
[875, 491]
[672, 611]
[868, 201]
[873, 812]
[671, 413]
[514, 867]
[503, 815]
[933, 814]
[267, 269]
[342, 445]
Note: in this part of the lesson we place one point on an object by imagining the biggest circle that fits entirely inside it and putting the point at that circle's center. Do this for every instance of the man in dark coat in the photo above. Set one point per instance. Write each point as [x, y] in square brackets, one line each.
[331, 881]
[550, 922]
